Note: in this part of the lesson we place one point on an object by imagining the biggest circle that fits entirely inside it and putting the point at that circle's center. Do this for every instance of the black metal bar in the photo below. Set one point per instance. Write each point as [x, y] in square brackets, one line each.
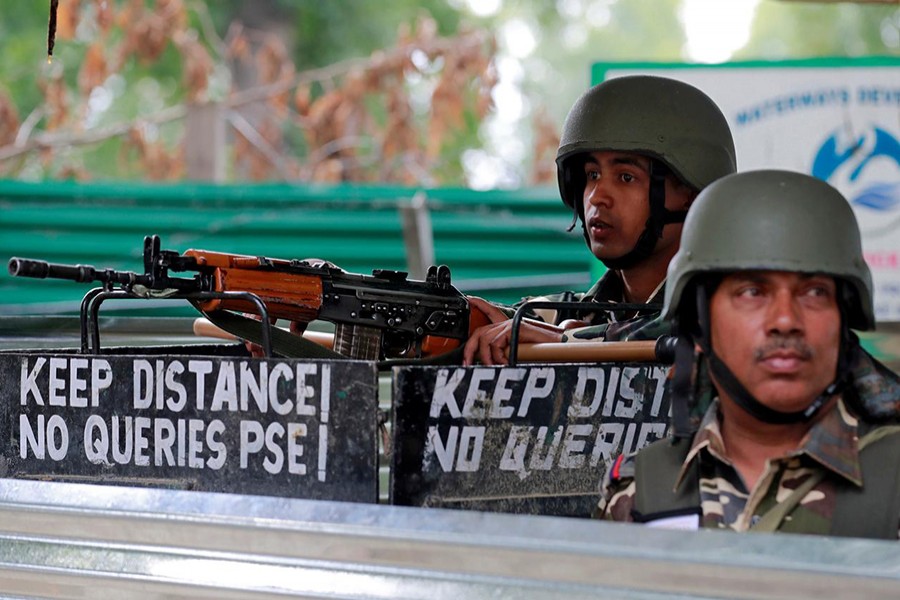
[100, 295]
[85, 319]
[581, 306]
[95, 303]
[263, 313]
[665, 349]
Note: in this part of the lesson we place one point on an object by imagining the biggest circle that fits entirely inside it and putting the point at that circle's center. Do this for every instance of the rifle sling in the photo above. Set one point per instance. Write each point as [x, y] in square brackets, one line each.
[451, 357]
[284, 344]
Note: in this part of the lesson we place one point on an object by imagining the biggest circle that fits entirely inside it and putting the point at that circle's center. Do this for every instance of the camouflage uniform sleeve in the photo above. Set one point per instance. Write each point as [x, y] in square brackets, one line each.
[548, 315]
[617, 498]
[646, 327]
[589, 333]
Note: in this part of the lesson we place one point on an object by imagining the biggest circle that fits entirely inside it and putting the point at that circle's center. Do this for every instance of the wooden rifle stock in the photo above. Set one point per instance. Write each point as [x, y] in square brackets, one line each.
[294, 296]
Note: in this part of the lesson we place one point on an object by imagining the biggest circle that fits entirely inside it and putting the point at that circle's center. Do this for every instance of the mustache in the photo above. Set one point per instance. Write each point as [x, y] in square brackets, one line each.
[784, 342]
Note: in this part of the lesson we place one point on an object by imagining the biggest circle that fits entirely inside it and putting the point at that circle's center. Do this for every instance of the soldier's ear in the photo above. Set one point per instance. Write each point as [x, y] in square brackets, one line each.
[690, 197]
[687, 192]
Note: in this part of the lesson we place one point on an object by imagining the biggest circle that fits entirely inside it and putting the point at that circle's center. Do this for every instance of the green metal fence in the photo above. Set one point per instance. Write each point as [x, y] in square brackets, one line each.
[499, 244]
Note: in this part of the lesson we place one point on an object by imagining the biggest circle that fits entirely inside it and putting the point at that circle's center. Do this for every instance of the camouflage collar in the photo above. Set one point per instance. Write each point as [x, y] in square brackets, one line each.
[610, 288]
[833, 442]
[607, 289]
[877, 388]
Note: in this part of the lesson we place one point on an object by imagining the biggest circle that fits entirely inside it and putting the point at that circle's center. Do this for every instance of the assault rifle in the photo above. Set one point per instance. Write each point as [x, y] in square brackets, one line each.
[385, 315]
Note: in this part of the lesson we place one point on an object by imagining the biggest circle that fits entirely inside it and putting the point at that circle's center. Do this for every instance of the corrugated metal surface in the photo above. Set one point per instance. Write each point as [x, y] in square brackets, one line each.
[75, 541]
[483, 236]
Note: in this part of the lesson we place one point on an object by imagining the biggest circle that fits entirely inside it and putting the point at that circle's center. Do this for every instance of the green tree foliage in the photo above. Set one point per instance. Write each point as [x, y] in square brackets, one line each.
[800, 30]
[23, 50]
[571, 35]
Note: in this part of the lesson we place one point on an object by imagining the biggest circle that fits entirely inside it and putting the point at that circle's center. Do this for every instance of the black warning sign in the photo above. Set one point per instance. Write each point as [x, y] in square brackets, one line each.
[304, 429]
[529, 439]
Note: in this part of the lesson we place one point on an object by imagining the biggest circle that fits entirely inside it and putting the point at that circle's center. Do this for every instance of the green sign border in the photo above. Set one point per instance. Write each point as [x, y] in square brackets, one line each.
[599, 69]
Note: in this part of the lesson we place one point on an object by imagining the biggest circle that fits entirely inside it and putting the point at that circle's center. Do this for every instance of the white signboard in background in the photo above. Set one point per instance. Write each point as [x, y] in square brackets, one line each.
[836, 119]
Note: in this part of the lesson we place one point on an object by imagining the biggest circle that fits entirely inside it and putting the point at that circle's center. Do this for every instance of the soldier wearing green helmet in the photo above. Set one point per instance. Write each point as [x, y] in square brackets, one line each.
[782, 422]
[633, 154]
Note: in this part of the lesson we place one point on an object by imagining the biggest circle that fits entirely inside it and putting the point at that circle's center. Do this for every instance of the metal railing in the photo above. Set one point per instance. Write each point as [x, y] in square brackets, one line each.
[63, 540]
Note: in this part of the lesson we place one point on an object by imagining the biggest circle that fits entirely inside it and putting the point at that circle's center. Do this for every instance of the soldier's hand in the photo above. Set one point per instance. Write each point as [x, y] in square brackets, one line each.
[489, 344]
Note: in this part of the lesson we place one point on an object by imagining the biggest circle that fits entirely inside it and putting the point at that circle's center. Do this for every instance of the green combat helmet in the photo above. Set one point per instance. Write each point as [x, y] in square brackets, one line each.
[679, 127]
[775, 221]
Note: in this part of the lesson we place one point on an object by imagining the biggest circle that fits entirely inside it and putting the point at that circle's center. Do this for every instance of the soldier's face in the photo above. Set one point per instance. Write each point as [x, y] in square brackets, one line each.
[779, 333]
[616, 203]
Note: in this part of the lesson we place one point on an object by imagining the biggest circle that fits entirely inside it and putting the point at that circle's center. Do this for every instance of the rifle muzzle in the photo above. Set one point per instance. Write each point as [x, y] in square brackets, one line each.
[39, 269]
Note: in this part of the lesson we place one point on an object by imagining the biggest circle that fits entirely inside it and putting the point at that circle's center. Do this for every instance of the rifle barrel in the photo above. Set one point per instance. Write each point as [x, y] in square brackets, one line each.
[39, 269]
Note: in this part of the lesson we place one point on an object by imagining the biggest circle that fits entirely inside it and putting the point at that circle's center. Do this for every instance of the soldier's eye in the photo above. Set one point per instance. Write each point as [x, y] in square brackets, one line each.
[749, 291]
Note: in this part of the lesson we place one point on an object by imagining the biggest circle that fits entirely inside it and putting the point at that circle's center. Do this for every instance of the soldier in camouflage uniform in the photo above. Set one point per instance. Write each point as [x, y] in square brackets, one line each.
[633, 155]
[793, 424]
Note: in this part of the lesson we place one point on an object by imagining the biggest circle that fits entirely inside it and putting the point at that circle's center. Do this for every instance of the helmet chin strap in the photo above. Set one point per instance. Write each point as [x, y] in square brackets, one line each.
[682, 388]
[735, 390]
[659, 217]
[743, 398]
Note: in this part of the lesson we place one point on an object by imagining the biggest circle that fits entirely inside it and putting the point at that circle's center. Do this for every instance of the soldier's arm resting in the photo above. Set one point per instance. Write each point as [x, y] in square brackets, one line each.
[488, 344]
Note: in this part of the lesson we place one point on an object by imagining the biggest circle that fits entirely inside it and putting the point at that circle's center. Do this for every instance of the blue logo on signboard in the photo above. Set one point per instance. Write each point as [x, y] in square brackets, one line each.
[833, 155]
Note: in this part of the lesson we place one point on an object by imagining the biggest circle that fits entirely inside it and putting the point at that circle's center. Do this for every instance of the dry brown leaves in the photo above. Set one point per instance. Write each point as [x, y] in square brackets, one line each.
[389, 118]
[546, 143]
[56, 101]
[400, 142]
[104, 15]
[263, 157]
[253, 161]
[237, 44]
[407, 144]
[74, 173]
[94, 69]
[147, 32]
[9, 120]
[68, 13]
[156, 161]
[360, 124]
[198, 65]
[274, 64]
[272, 61]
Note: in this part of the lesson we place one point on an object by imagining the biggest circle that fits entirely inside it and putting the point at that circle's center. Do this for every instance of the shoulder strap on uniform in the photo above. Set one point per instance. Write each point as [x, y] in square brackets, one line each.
[873, 510]
[656, 469]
